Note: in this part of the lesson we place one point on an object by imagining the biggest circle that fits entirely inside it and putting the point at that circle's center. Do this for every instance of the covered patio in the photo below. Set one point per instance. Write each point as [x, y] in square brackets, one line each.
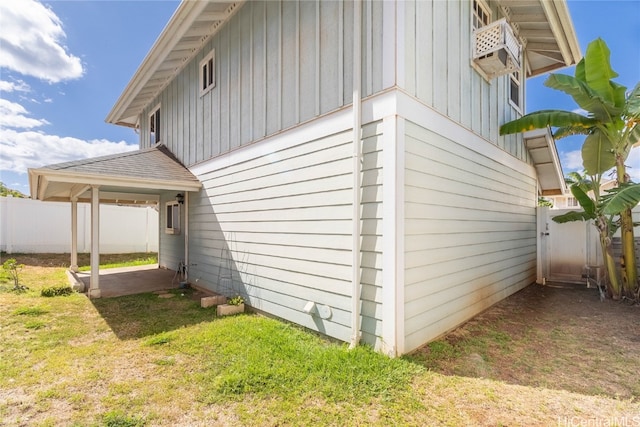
[115, 282]
[131, 178]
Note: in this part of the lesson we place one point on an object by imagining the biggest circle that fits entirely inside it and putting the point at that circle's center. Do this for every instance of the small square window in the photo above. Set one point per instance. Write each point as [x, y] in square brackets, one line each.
[172, 218]
[207, 73]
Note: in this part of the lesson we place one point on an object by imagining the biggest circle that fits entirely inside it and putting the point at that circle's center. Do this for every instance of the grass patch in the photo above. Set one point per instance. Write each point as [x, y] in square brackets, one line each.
[119, 419]
[30, 311]
[160, 339]
[114, 261]
[142, 360]
[35, 324]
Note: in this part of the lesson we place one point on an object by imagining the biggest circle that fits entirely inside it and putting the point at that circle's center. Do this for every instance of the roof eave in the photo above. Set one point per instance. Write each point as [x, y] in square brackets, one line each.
[178, 24]
[118, 181]
[185, 16]
[562, 27]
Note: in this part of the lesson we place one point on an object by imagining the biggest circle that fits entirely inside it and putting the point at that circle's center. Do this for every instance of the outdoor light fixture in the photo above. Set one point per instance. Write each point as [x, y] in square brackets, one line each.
[180, 198]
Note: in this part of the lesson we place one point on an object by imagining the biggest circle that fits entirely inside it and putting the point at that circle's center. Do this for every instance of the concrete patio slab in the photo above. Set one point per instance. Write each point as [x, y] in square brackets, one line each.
[130, 280]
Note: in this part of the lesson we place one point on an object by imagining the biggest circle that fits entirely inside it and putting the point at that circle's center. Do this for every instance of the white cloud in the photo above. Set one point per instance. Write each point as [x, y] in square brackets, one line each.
[14, 115]
[31, 42]
[17, 86]
[633, 164]
[571, 161]
[22, 150]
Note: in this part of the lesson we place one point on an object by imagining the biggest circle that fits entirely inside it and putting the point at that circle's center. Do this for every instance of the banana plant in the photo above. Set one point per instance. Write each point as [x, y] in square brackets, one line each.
[611, 126]
[603, 210]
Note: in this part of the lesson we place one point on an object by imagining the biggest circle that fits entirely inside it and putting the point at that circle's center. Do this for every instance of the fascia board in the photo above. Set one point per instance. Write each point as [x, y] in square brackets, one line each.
[563, 30]
[91, 179]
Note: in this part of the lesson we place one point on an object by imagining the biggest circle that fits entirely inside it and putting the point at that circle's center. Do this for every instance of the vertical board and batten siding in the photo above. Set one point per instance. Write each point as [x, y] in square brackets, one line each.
[438, 71]
[470, 233]
[276, 229]
[277, 64]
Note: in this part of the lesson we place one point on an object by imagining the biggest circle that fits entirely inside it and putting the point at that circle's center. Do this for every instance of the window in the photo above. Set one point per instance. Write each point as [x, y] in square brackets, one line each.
[481, 14]
[515, 90]
[207, 73]
[572, 202]
[154, 126]
[172, 217]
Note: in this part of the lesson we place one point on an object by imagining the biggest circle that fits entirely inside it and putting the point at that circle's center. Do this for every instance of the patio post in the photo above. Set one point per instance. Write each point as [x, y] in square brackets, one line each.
[94, 283]
[74, 234]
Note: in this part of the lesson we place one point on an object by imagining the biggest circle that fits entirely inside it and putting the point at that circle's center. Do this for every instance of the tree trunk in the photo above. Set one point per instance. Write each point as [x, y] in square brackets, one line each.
[613, 284]
[628, 264]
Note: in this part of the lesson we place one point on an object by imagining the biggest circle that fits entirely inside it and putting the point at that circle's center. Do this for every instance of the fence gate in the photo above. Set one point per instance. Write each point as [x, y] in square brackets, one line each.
[565, 249]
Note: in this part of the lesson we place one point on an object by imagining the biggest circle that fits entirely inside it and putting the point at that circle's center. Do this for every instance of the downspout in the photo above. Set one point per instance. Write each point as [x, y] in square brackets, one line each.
[357, 132]
[186, 234]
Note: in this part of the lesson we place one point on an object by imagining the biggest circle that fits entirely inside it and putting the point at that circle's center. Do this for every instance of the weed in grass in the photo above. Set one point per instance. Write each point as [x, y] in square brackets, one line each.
[35, 324]
[500, 338]
[56, 291]
[167, 361]
[159, 339]
[30, 311]
[119, 419]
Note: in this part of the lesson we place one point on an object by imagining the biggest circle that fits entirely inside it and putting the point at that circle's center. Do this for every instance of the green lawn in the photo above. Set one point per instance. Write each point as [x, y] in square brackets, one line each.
[144, 360]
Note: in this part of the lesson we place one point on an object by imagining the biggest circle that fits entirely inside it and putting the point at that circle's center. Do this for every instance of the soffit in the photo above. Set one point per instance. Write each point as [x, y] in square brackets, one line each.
[546, 31]
[544, 155]
[190, 27]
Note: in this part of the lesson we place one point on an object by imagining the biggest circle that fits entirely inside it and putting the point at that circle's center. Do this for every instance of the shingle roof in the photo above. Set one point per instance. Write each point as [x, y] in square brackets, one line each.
[139, 173]
[150, 163]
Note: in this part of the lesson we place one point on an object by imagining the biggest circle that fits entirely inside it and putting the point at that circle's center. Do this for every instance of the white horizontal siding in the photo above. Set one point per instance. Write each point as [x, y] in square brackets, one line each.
[371, 246]
[276, 228]
[171, 251]
[470, 233]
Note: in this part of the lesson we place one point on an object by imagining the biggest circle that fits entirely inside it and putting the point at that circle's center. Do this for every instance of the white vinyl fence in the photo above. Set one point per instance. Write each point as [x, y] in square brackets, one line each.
[32, 226]
[566, 250]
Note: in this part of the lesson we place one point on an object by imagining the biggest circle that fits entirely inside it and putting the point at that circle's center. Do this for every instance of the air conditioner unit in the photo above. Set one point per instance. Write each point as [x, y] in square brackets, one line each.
[496, 49]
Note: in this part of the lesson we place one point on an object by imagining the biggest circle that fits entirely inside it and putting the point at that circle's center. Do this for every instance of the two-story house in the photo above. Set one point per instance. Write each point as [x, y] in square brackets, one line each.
[338, 163]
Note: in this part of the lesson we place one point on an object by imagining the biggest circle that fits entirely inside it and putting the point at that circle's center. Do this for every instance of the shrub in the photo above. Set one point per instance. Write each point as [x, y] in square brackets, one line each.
[54, 291]
[237, 300]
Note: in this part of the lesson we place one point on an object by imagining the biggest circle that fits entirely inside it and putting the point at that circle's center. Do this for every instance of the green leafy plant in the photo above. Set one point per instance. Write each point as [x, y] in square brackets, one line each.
[12, 267]
[237, 300]
[56, 291]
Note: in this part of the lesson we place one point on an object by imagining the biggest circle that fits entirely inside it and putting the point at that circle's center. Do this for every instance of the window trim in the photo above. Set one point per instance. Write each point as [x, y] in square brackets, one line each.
[155, 117]
[485, 9]
[518, 82]
[172, 212]
[207, 73]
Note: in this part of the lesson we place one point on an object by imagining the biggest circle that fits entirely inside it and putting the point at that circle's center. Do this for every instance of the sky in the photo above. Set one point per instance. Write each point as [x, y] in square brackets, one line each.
[63, 65]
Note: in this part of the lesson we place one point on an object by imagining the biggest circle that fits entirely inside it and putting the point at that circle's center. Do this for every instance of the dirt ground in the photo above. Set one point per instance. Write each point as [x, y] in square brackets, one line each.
[558, 336]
